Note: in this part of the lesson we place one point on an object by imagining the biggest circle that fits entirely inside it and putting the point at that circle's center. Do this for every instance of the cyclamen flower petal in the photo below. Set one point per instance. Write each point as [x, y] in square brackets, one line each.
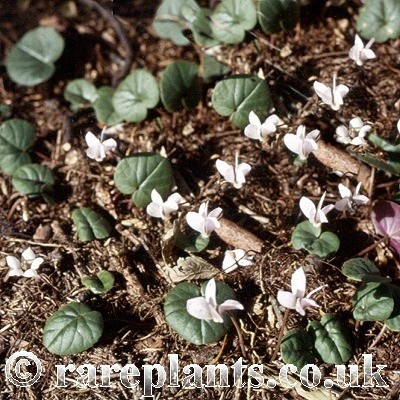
[360, 53]
[296, 300]
[355, 134]
[235, 174]
[350, 201]
[160, 209]
[203, 221]
[235, 258]
[257, 131]
[28, 258]
[302, 144]
[316, 215]
[332, 97]
[96, 149]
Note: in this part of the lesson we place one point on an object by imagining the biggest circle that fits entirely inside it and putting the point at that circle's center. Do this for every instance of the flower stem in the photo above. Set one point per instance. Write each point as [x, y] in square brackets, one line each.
[285, 317]
[240, 336]
[373, 245]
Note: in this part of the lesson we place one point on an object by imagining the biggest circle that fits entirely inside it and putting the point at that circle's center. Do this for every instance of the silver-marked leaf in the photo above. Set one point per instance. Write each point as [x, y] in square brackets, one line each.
[332, 340]
[170, 22]
[72, 329]
[379, 19]
[180, 86]
[103, 282]
[277, 15]
[141, 173]
[373, 302]
[238, 95]
[32, 58]
[33, 180]
[16, 138]
[364, 270]
[80, 91]
[90, 225]
[297, 348]
[197, 331]
[103, 107]
[231, 19]
[393, 322]
[135, 95]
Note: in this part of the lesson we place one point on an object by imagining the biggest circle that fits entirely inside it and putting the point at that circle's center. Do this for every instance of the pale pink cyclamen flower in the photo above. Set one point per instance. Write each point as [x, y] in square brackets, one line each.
[300, 143]
[256, 130]
[296, 300]
[360, 53]
[97, 148]
[235, 174]
[355, 134]
[350, 201]
[159, 208]
[207, 308]
[28, 265]
[333, 97]
[203, 221]
[316, 215]
[236, 258]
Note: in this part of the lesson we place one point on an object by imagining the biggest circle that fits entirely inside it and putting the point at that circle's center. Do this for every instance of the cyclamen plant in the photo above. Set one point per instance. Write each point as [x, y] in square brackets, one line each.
[234, 174]
[333, 97]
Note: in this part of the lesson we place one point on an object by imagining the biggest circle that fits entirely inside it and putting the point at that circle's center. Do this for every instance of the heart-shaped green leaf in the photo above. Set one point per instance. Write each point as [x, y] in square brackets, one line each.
[231, 19]
[101, 283]
[170, 22]
[33, 180]
[16, 138]
[140, 173]
[393, 322]
[192, 242]
[379, 19]
[135, 94]
[180, 86]
[31, 60]
[331, 339]
[5, 111]
[90, 225]
[307, 236]
[72, 329]
[197, 331]
[80, 91]
[362, 269]
[373, 302]
[103, 107]
[277, 15]
[238, 95]
[297, 348]
[214, 68]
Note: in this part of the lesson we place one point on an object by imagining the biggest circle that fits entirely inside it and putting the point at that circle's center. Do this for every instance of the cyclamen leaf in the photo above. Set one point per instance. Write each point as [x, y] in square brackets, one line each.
[393, 322]
[362, 269]
[16, 137]
[103, 107]
[33, 180]
[72, 329]
[373, 302]
[90, 224]
[297, 348]
[277, 15]
[80, 91]
[386, 219]
[101, 283]
[238, 95]
[331, 339]
[213, 68]
[32, 58]
[197, 331]
[141, 173]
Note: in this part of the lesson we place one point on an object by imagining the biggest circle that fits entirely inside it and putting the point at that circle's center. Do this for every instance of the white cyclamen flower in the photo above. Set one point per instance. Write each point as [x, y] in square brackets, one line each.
[235, 174]
[159, 208]
[300, 143]
[207, 308]
[332, 97]
[28, 265]
[398, 125]
[296, 300]
[236, 258]
[360, 53]
[355, 134]
[350, 201]
[97, 149]
[316, 215]
[203, 221]
[256, 130]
